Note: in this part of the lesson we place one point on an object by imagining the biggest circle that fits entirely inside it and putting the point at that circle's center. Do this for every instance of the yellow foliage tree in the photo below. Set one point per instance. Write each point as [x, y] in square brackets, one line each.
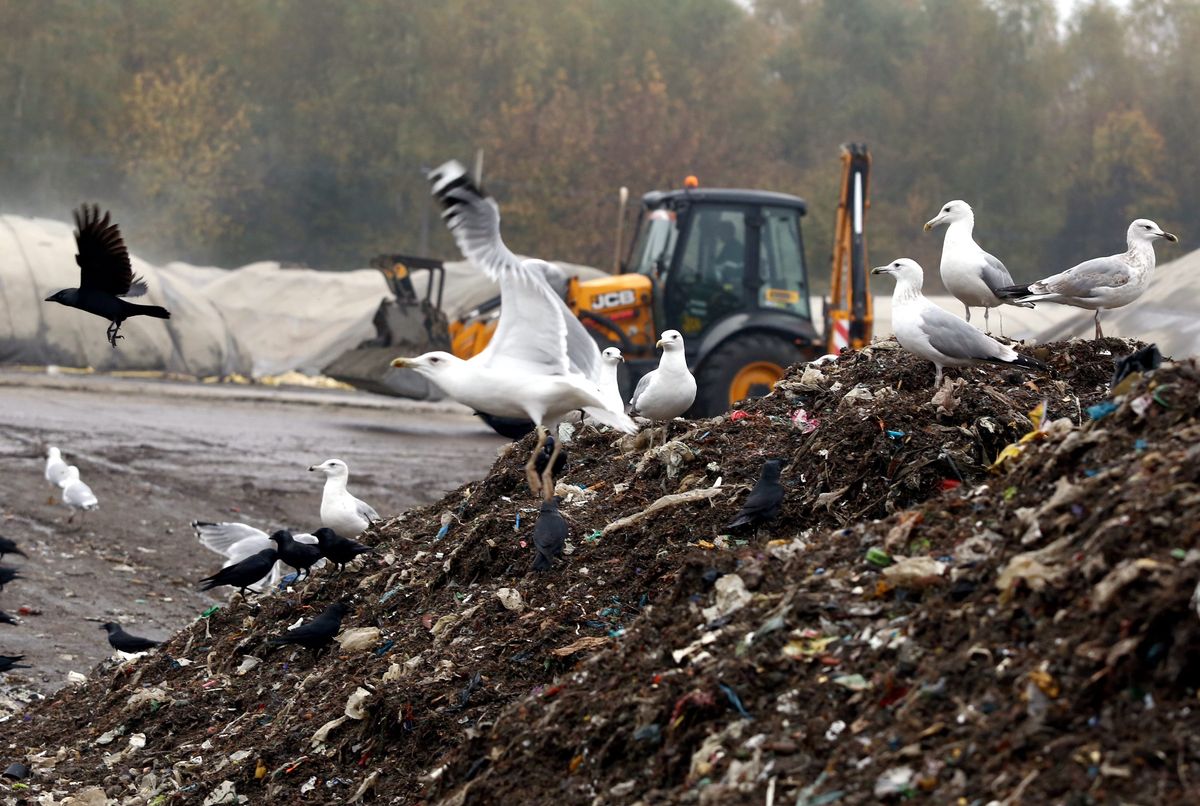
[179, 136]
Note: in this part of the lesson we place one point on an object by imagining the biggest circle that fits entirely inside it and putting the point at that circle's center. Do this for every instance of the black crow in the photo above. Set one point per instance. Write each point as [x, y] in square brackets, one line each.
[246, 572]
[549, 535]
[6, 619]
[105, 274]
[301, 556]
[7, 575]
[9, 547]
[763, 502]
[317, 633]
[9, 662]
[512, 427]
[543, 458]
[119, 639]
[337, 549]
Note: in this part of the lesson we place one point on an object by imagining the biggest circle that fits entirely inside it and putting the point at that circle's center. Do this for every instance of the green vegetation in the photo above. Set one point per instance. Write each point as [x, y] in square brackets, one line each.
[235, 130]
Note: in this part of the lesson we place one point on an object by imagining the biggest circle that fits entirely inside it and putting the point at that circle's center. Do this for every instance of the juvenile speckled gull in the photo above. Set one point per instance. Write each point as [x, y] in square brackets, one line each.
[1104, 282]
[540, 363]
[669, 390]
[927, 331]
[340, 511]
[972, 275]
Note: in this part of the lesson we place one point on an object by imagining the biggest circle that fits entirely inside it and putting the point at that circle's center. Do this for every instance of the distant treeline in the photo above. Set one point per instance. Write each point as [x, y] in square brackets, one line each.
[227, 131]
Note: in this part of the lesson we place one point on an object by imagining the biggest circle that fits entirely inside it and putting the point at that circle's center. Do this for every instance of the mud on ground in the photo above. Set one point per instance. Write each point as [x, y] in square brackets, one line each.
[914, 626]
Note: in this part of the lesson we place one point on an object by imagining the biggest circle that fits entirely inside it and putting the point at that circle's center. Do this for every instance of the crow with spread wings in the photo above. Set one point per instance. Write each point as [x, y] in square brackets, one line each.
[105, 274]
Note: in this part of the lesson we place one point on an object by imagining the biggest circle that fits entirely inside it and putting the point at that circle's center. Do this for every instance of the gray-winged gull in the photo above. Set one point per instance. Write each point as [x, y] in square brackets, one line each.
[540, 364]
[1104, 282]
[239, 541]
[56, 468]
[76, 494]
[969, 273]
[611, 360]
[927, 331]
[668, 391]
[341, 511]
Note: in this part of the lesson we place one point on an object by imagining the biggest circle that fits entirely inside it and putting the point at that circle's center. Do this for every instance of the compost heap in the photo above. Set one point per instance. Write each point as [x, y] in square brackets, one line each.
[915, 625]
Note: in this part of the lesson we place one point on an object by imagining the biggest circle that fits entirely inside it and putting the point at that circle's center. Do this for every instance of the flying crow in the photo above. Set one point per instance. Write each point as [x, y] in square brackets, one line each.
[549, 535]
[301, 556]
[337, 549]
[105, 274]
[123, 641]
[318, 633]
[763, 502]
[243, 574]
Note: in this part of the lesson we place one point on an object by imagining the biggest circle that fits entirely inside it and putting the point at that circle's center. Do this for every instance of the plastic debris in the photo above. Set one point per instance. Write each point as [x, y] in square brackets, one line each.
[1101, 410]
[357, 639]
[1138, 362]
[896, 781]
[878, 557]
[511, 599]
[356, 704]
[731, 596]
[804, 422]
[915, 572]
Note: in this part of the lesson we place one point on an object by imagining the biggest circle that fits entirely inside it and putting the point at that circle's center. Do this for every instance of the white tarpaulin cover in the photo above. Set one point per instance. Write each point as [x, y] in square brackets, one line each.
[259, 319]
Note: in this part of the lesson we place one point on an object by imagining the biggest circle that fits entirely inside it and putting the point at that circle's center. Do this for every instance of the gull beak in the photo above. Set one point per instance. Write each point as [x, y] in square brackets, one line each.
[621, 358]
[933, 222]
[1169, 236]
[884, 269]
[401, 362]
[312, 468]
[659, 343]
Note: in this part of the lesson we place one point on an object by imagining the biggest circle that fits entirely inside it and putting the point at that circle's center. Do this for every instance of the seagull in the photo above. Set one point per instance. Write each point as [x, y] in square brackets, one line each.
[540, 364]
[318, 633]
[243, 574]
[105, 274]
[76, 494]
[340, 511]
[1101, 283]
[929, 332]
[611, 359]
[764, 500]
[667, 392]
[10, 547]
[124, 642]
[549, 535]
[56, 468]
[969, 273]
[237, 541]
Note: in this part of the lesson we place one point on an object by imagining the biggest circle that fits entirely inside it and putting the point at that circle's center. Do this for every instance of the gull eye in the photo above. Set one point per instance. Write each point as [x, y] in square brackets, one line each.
[947, 209]
[1145, 226]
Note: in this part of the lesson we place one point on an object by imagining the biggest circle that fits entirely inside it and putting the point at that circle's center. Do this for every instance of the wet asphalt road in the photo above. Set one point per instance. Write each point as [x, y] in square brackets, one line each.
[161, 454]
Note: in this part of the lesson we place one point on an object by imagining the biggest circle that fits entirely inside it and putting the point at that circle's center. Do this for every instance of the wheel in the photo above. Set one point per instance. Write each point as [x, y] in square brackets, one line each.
[742, 367]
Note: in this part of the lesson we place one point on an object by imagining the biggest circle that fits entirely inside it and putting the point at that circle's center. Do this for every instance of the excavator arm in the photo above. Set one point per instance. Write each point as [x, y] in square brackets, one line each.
[849, 317]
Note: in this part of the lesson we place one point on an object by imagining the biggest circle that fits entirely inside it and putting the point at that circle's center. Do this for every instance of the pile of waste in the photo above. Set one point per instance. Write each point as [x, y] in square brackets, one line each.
[980, 593]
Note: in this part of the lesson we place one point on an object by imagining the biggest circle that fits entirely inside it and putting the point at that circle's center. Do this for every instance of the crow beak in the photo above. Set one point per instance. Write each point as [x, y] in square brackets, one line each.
[1169, 236]
[48, 299]
[401, 362]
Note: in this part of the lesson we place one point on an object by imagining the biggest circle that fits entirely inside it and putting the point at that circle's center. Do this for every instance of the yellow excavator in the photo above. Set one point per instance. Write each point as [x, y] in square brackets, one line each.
[725, 267]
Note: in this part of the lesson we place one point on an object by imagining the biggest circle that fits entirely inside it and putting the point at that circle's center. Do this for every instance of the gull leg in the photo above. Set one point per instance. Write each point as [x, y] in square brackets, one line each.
[548, 474]
[530, 471]
[937, 377]
[987, 327]
[1000, 314]
[967, 308]
[1099, 332]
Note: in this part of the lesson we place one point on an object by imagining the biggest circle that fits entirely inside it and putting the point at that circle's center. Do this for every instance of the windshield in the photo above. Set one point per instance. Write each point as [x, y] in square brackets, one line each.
[781, 262]
[656, 241]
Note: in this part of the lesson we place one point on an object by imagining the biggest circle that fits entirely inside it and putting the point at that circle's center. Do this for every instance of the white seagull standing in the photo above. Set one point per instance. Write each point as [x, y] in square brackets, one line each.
[75, 494]
[1103, 282]
[612, 359]
[540, 364]
[340, 511]
[969, 273]
[927, 331]
[237, 541]
[670, 390]
[56, 468]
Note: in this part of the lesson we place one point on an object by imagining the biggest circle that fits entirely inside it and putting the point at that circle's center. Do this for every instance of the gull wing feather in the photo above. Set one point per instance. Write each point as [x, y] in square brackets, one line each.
[536, 331]
[642, 385]
[955, 338]
[1082, 281]
[994, 273]
[365, 510]
[221, 537]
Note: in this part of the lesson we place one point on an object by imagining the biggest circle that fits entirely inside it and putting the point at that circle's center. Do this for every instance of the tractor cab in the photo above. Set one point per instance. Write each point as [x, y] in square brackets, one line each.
[726, 269]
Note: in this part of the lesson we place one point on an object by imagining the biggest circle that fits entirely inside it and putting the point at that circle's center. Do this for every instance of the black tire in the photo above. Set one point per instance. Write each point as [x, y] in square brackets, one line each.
[720, 367]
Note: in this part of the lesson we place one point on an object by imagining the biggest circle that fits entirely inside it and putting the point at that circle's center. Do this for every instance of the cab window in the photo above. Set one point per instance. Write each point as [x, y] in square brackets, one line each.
[780, 262]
